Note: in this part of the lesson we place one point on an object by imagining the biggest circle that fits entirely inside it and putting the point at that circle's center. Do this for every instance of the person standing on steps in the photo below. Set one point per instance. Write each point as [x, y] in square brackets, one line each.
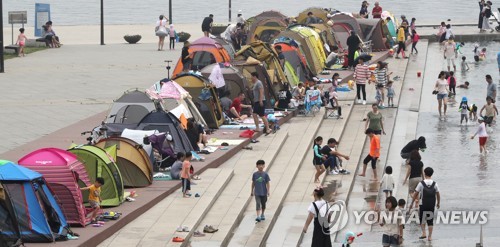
[375, 121]
[352, 46]
[373, 155]
[361, 76]
[427, 192]
[206, 25]
[401, 38]
[318, 211]
[441, 89]
[259, 104]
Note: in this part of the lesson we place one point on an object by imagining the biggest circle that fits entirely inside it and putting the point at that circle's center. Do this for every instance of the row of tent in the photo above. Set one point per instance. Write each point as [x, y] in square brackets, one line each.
[40, 195]
[305, 48]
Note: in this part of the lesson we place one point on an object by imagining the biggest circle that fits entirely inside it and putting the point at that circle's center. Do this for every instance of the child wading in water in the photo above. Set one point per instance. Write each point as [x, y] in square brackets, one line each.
[387, 182]
[483, 136]
[452, 82]
[95, 197]
[464, 66]
[21, 41]
[390, 94]
[464, 108]
[318, 159]
[260, 188]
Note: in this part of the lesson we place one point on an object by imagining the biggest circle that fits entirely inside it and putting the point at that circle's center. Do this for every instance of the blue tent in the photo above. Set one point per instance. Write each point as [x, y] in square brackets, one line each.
[39, 217]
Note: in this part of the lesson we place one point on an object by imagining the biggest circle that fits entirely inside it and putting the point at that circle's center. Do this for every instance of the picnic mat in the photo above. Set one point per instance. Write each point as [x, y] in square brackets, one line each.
[245, 126]
[162, 176]
[218, 142]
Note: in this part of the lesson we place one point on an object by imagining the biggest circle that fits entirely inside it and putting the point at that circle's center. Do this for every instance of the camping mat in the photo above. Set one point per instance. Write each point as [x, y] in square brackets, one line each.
[165, 178]
[335, 67]
[218, 142]
[211, 148]
[246, 126]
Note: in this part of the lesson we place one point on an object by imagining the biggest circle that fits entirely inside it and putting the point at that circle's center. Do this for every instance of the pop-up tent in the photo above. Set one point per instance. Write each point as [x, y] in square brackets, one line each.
[314, 38]
[166, 122]
[100, 163]
[132, 161]
[373, 29]
[246, 67]
[128, 110]
[9, 235]
[266, 26]
[39, 217]
[307, 47]
[175, 100]
[318, 12]
[297, 60]
[204, 96]
[204, 51]
[234, 79]
[65, 175]
[347, 20]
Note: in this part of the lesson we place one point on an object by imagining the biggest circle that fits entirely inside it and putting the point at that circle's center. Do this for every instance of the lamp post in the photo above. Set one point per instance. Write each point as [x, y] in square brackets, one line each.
[169, 11]
[229, 10]
[1, 38]
[102, 22]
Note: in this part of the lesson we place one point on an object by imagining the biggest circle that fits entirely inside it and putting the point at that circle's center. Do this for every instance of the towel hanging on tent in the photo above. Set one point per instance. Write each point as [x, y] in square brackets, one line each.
[216, 77]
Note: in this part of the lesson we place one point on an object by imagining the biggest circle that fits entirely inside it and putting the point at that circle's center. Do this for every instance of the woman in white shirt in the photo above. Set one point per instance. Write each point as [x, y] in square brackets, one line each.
[442, 92]
[393, 226]
[483, 135]
[161, 31]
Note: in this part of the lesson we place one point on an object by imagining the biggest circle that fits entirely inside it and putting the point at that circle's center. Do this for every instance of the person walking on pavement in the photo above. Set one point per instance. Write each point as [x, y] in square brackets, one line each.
[259, 104]
[441, 89]
[361, 76]
[427, 192]
[318, 211]
[491, 90]
[375, 121]
[373, 155]
[206, 25]
[352, 46]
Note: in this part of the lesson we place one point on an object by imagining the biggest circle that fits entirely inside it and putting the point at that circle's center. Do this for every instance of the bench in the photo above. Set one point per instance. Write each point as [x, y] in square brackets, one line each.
[44, 41]
[13, 47]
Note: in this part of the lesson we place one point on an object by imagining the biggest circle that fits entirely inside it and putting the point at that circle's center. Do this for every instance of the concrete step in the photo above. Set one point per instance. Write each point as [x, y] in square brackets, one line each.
[288, 227]
[282, 174]
[228, 210]
[365, 194]
[158, 225]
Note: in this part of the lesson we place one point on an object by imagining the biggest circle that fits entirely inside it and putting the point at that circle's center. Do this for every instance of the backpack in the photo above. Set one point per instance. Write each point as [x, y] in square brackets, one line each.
[428, 194]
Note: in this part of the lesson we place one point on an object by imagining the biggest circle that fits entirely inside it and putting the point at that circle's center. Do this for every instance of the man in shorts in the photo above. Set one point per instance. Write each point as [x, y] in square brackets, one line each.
[259, 104]
[450, 54]
[373, 155]
[491, 90]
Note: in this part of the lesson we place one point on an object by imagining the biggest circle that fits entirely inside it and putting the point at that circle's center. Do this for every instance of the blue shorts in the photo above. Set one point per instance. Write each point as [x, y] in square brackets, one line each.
[442, 96]
[388, 240]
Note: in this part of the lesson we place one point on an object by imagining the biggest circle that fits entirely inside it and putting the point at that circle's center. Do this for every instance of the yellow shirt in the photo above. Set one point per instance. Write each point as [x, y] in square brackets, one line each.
[401, 35]
[94, 194]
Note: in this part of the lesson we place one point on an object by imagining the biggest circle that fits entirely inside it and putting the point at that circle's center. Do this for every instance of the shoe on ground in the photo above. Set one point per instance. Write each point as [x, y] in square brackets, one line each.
[177, 240]
[257, 219]
[209, 229]
[254, 141]
[359, 101]
[262, 217]
[179, 229]
[364, 102]
[334, 172]
[199, 234]
[185, 229]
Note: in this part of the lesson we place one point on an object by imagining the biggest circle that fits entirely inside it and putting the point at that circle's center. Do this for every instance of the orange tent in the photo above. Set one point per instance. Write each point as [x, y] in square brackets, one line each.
[204, 51]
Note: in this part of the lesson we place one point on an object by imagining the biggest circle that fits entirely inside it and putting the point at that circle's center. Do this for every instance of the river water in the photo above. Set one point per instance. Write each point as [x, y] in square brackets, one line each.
[87, 12]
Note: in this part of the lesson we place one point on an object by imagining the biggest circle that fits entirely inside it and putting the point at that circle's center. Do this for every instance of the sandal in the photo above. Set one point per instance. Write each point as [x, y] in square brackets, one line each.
[196, 177]
[177, 239]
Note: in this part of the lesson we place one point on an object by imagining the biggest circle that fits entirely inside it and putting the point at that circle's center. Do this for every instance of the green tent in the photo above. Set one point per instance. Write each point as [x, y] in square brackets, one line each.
[100, 163]
[290, 74]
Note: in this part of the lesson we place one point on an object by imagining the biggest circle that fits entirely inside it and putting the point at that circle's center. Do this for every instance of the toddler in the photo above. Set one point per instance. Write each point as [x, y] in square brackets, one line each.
[463, 108]
[21, 41]
[464, 66]
[387, 182]
[390, 94]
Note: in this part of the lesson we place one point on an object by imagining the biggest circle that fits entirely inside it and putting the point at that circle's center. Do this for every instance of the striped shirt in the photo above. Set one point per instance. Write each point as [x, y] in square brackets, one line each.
[361, 73]
[381, 75]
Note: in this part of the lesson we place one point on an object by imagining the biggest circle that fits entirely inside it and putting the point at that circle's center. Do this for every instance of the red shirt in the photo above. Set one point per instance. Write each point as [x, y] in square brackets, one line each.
[375, 10]
[236, 104]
